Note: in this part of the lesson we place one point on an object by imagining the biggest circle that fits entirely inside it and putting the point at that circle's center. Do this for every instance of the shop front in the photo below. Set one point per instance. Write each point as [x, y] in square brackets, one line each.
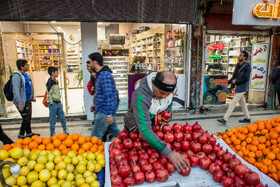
[222, 44]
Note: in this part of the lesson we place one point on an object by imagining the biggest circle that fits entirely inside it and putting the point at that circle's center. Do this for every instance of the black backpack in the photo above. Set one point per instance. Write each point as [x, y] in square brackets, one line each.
[8, 89]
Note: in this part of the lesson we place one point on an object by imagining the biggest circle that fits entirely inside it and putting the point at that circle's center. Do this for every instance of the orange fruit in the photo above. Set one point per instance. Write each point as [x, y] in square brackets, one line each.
[6, 147]
[75, 136]
[88, 138]
[85, 146]
[75, 147]
[54, 137]
[259, 154]
[41, 147]
[17, 145]
[81, 151]
[94, 140]
[33, 145]
[273, 135]
[65, 151]
[93, 149]
[61, 147]
[62, 136]
[49, 146]
[68, 142]
[56, 142]
[34, 137]
[82, 140]
[39, 140]
[19, 141]
[26, 141]
[46, 141]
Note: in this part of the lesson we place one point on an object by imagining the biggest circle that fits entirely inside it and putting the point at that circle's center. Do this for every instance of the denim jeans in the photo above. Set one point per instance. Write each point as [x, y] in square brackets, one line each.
[56, 109]
[100, 126]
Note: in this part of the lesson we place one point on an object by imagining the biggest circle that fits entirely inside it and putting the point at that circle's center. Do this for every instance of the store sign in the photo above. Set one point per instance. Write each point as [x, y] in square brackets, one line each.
[259, 60]
[256, 12]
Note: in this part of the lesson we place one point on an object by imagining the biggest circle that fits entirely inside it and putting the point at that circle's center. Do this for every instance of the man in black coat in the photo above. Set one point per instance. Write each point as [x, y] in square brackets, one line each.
[240, 79]
[275, 77]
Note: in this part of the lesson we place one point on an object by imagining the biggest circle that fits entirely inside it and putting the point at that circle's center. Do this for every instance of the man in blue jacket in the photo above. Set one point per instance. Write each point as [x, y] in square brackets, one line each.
[106, 98]
[240, 79]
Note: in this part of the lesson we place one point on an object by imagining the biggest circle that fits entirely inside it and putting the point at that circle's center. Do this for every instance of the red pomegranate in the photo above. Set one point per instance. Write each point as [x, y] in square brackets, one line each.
[196, 135]
[115, 152]
[160, 134]
[114, 171]
[158, 119]
[227, 156]
[196, 127]
[212, 140]
[186, 172]
[190, 153]
[123, 135]
[204, 163]
[200, 155]
[225, 167]
[127, 144]
[139, 177]
[188, 136]
[213, 167]
[155, 155]
[202, 139]
[166, 115]
[220, 154]
[147, 167]
[177, 127]
[152, 160]
[143, 162]
[134, 158]
[227, 181]
[170, 167]
[122, 162]
[166, 128]
[219, 162]
[133, 136]
[187, 128]
[239, 181]
[231, 174]
[252, 178]
[212, 157]
[207, 148]
[140, 137]
[132, 152]
[169, 137]
[241, 170]
[193, 160]
[145, 145]
[118, 185]
[158, 165]
[137, 145]
[149, 151]
[162, 175]
[216, 148]
[176, 146]
[129, 181]
[185, 145]
[124, 171]
[116, 179]
[119, 157]
[233, 163]
[144, 156]
[217, 175]
[185, 155]
[135, 168]
[196, 147]
[150, 177]
[117, 141]
[178, 136]
[156, 128]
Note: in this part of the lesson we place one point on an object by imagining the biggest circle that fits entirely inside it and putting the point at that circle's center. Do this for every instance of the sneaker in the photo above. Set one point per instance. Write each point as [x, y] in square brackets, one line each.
[32, 134]
[66, 132]
[21, 136]
[222, 121]
[245, 120]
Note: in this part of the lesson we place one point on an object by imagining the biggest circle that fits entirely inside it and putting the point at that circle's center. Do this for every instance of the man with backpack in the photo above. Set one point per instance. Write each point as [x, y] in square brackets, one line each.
[23, 95]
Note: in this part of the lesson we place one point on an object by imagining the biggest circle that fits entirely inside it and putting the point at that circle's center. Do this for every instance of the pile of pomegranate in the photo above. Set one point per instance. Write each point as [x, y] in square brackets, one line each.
[133, 161]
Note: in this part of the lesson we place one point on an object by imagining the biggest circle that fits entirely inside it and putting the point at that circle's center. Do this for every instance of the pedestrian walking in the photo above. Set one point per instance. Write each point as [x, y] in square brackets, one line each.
[4, 138]
[54, 101]
[240, 80]
[106, 98]
[23, 94]
[275, 77]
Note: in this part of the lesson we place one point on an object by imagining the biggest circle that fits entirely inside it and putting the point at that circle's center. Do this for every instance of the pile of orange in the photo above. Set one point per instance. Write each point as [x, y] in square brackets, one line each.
[62, 142]
[258, 144]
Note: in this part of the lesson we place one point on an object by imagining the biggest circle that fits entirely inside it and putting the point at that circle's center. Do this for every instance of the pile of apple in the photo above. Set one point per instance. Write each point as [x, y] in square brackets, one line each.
[133, 161]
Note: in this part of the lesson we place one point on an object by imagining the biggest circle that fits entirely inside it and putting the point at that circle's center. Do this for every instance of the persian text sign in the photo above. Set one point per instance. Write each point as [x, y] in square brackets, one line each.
[256, 12]
[259, 64]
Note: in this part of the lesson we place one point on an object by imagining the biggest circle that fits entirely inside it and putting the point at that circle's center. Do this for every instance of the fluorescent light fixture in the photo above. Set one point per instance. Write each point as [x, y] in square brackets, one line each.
[99, 23]
[79, 30]
[59, 28]
[182, 25]
[53, 21]
[99, 29]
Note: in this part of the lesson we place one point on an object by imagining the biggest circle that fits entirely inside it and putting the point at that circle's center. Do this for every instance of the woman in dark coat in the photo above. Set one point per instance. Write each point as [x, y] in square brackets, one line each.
[275, 77]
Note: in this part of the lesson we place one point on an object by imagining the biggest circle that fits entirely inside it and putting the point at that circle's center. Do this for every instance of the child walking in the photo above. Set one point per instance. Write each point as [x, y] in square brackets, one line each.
[54, 102]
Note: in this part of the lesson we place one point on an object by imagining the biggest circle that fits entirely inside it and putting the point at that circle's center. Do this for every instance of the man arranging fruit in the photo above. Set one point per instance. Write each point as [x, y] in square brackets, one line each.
[154, 96]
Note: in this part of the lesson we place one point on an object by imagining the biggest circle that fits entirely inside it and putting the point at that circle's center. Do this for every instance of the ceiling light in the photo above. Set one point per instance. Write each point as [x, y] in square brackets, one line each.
[182, 25]
[99, 23]
[53, 21]
[79, 30]
[59, 28]
[99, 29]
[227, 40]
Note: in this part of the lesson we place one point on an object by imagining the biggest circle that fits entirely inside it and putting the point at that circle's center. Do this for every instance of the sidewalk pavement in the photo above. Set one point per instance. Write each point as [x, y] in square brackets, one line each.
[207, 120]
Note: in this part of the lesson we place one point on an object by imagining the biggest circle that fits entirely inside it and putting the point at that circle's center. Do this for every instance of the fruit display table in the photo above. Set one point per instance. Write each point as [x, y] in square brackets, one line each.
[197, 177]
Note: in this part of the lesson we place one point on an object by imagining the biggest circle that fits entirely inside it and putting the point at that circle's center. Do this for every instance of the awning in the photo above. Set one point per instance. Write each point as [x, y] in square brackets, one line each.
[140, 11]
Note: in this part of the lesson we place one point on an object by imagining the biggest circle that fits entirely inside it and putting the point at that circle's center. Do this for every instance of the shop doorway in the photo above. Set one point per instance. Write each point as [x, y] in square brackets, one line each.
[220, 57]
[41, 50]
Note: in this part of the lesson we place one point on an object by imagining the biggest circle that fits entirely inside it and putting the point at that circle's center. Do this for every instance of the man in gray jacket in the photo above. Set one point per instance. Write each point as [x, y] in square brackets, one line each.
[23, 95]
[152, 97]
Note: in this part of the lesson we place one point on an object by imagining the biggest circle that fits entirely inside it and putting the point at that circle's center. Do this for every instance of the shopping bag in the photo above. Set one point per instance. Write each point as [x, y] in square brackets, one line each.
[45, 100]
